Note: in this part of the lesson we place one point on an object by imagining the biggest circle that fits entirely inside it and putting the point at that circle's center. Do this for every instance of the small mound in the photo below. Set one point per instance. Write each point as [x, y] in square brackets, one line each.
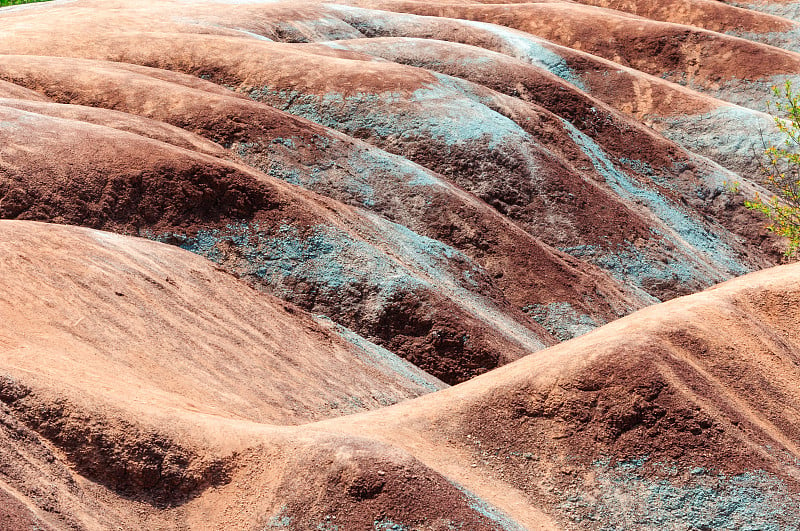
[173, 323]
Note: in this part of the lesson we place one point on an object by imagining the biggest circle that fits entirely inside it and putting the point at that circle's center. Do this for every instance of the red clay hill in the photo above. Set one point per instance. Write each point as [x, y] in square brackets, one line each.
[268, 222]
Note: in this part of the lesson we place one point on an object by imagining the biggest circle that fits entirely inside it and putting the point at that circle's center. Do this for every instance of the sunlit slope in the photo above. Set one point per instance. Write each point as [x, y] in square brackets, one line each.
[178, 327]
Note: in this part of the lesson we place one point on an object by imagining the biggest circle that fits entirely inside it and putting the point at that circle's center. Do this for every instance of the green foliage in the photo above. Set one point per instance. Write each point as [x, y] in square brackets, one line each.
[733, 187]
[781, 168]
[4, 3]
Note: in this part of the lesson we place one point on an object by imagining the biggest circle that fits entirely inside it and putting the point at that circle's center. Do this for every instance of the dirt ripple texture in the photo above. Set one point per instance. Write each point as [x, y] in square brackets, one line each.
[247, 248]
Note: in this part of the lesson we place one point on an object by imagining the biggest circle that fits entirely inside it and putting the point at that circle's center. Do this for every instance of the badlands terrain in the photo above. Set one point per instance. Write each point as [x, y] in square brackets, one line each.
[394, 265]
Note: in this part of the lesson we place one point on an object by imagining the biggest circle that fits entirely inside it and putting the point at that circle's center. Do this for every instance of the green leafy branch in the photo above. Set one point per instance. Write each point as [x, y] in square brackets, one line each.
[4, 3]
[781, 169]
